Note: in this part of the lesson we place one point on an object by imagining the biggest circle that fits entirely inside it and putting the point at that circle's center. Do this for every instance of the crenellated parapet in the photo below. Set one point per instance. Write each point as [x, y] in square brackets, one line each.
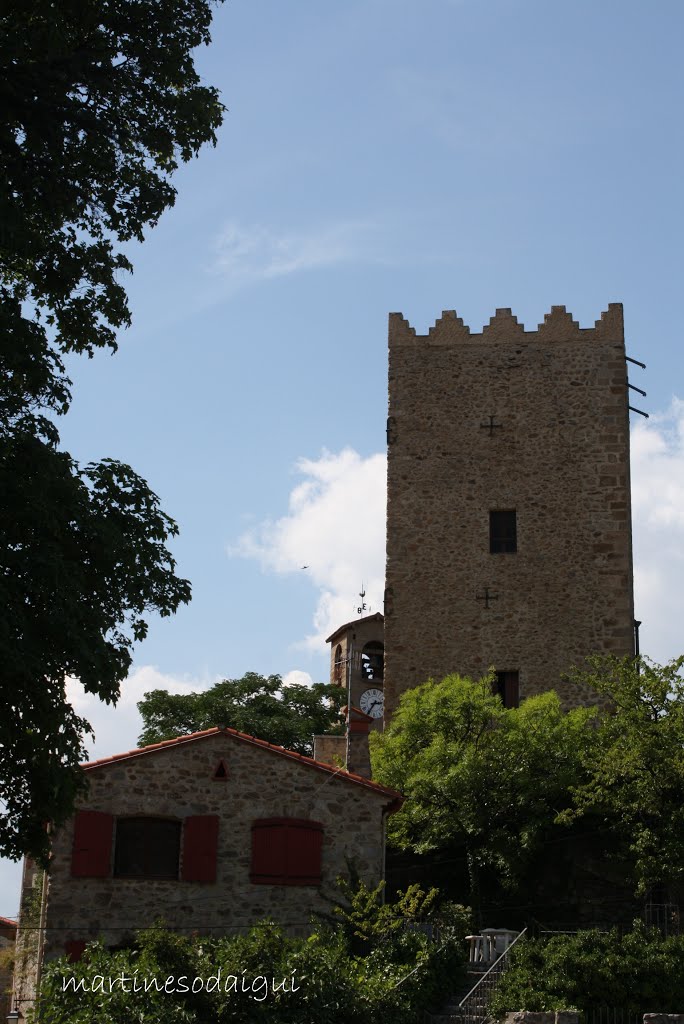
[558, 325]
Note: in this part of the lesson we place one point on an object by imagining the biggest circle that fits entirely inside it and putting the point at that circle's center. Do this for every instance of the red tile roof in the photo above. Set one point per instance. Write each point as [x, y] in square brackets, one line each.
[7, 922]
[357, 711]
[395, 797]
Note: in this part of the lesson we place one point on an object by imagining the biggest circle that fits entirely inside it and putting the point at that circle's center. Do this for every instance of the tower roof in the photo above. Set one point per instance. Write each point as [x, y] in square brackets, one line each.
[376, 617]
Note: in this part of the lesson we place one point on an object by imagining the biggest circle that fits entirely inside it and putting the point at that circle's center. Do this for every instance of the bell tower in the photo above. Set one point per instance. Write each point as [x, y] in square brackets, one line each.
[357, 660]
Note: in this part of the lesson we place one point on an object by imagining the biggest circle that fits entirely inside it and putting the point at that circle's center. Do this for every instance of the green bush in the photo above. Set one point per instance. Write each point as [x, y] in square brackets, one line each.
[270, 978]
[638, 971]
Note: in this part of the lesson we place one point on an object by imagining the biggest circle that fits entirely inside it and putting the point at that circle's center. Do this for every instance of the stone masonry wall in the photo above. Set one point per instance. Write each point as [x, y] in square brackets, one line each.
[330, 749]
[558, 455]
[29, 935]
[177, 782]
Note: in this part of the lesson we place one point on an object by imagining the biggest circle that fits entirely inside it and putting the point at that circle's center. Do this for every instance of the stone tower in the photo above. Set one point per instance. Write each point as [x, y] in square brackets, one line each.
[508, 508]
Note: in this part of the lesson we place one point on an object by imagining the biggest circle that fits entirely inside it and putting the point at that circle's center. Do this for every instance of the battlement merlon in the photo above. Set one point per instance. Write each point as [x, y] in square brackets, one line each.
[557, 326]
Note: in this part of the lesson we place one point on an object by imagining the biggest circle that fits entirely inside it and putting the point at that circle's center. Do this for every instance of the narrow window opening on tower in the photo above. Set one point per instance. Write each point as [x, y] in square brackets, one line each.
[503, 535]
[337, 669]
[506, 687]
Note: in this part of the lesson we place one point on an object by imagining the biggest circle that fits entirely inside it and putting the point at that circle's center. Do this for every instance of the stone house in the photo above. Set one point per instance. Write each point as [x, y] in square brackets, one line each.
[212, 831]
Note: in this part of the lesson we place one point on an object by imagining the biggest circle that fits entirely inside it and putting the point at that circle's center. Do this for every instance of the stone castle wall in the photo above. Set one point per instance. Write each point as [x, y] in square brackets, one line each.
[557, 454]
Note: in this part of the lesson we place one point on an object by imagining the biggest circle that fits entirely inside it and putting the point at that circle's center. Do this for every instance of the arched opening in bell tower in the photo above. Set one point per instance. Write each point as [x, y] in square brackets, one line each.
[373, 661]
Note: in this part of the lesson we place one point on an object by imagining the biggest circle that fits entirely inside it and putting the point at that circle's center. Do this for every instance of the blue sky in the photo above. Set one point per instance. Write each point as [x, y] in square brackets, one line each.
[380, 155]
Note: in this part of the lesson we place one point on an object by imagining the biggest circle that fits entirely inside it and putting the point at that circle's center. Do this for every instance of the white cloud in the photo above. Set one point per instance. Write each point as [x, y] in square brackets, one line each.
[117, 728]
[297, 678]
[244, 255]
[335, 527]
[658, 528]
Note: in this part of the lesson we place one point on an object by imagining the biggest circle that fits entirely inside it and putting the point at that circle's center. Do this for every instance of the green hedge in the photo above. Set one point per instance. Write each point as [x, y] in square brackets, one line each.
[638, 971]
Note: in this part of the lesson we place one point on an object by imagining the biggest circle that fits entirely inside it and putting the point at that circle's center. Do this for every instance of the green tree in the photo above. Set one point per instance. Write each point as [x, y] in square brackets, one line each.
[259, 705]
[480, 777]
[83, 560]
[99, 103]
[635, 777]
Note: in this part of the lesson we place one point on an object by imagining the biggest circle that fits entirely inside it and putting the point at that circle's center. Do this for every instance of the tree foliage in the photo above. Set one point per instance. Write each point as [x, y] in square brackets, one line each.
[500, 783]
[635, 780]
[259, 705]
[363, 913]
[479, 776]
[99, 103]
[638, 971]
[83, 560]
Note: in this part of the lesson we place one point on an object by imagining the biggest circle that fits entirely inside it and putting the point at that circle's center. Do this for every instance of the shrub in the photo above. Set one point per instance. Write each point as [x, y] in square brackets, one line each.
[638, 971]
[261, 977]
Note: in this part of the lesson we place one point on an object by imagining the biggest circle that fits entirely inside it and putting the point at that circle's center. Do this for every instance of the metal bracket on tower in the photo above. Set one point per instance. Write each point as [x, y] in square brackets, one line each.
[633, 408]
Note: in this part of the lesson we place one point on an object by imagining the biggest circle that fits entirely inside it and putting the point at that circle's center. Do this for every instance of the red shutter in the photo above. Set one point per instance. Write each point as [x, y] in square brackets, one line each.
[286, 851]
[269, 849]
[74, 949]
[91, 855]
[200, 842]
[305, 842]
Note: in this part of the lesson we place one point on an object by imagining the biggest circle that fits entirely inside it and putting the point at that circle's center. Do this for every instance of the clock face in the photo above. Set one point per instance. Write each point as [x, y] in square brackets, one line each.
[371, 702]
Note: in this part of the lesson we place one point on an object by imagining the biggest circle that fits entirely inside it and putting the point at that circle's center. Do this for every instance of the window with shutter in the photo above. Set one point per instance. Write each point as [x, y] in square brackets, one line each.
[200, 843]
[147, 848]
[286, 851]
[91, 854]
